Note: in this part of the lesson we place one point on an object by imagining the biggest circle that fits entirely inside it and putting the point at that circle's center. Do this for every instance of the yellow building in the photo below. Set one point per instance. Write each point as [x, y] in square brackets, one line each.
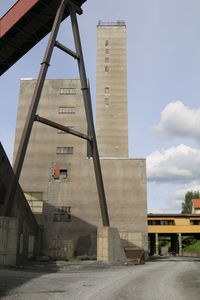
[173, 226]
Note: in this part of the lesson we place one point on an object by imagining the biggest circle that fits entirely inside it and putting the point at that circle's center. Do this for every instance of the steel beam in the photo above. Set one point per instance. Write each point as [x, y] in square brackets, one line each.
[33, 107]
[89, 117]
[64, 128]
[66, 50]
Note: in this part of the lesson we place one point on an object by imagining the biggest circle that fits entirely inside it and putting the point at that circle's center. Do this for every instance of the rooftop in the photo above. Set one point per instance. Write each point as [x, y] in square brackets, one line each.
[196, 203]
[117, 23]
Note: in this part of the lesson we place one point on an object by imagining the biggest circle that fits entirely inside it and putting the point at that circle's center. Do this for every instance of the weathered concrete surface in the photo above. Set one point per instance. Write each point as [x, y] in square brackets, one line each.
[124, 178]
[109, 246]
[8, 240]
[111, 91]
[20, 233]
[161, 279]
[191, 253]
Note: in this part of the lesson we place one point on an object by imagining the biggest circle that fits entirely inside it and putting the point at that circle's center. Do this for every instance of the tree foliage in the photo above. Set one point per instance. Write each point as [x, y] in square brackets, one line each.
[187, 204]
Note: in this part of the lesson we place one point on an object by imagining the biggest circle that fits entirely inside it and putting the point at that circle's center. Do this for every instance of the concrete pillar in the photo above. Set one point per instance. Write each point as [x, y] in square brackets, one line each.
[157, 244]
[180, 244]
[109, 246]
[152, 244]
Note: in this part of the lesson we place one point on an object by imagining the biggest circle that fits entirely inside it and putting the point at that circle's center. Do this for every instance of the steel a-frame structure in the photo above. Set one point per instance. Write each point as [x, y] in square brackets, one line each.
[73, 10]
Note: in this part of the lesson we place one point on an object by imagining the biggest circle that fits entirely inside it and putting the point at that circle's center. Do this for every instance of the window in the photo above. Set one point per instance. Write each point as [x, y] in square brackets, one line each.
[106, 43]
[60, 172]
[106, 59]
[106, 90]
[106, 100]
[106, 68]
[65, 150]
[63, 174]
[62, 214]
[106, 51]
[35, 201]
[66, 110]
[194, 222]
[67, 91]
[160, 222]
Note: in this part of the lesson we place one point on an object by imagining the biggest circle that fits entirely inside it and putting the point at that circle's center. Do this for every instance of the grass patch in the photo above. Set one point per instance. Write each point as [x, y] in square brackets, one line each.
[193, 247]
[74, 259]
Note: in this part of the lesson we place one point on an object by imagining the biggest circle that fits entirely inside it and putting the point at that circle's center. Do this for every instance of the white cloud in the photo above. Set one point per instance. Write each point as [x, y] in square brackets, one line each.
[179, 164]
[178, 120]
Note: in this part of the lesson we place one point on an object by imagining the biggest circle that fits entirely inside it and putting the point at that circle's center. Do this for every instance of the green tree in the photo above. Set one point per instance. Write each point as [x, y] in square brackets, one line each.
[187, 204]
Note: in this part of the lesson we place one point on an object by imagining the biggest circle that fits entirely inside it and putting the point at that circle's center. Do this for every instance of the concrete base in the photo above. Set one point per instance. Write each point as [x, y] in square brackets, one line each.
[109, 246]
[8, 240]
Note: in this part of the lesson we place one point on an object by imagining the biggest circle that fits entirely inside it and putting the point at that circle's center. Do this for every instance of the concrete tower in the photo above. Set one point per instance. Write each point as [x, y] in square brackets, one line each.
[111, 92]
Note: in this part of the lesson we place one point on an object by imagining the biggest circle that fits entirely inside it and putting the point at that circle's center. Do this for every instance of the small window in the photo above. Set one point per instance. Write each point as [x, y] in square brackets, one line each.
[67, 91]
[66, 110]
[65, 150]
[35, 201]
[63, 174]
[106, 90]
[62, 214]
[106, 59]
[106, 51]
[106, 69]
[106, 100]
[106, 43]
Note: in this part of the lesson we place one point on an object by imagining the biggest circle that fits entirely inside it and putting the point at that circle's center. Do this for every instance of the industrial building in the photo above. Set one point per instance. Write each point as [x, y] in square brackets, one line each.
[58, 174]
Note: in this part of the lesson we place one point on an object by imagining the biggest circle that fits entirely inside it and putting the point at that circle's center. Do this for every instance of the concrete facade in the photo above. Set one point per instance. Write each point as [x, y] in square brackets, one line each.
[58, 177]
[111, 95]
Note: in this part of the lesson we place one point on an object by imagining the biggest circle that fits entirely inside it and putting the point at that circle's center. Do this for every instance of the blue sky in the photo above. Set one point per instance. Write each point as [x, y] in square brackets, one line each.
[163, 57]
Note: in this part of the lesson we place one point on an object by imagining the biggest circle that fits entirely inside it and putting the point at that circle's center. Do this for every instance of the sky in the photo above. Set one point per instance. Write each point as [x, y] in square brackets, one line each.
[163, 62]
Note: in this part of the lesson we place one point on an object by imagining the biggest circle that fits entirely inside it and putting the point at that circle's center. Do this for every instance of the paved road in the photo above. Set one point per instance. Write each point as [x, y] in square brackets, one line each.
[160, 279]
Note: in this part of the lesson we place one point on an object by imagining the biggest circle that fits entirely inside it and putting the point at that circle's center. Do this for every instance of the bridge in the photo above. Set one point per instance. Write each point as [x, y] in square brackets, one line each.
[173, 227]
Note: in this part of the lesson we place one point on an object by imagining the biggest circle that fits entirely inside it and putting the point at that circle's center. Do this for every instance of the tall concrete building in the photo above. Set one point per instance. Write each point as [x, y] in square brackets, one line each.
[111, 95]
[58, 177]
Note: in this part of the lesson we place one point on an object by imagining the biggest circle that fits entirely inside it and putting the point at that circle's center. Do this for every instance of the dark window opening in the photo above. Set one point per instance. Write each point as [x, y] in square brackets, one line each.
[194, 222]
[106, 69]
[106, 43]
[160, 222]
[62, 214]
[3, 191]
[63, 173]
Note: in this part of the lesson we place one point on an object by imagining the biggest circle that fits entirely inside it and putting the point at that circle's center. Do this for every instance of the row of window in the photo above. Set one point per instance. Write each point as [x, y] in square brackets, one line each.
[62, 214]
[170, 222]
[67, 91]
[65, 150]
[160, 222]
[106, 67]
[66, 110]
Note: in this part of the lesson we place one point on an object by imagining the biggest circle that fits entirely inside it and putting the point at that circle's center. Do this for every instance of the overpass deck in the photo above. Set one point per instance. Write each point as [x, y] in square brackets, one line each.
[173, 223]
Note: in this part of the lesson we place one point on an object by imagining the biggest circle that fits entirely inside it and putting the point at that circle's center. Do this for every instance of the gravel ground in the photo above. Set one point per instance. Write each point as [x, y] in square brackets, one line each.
[159, 279]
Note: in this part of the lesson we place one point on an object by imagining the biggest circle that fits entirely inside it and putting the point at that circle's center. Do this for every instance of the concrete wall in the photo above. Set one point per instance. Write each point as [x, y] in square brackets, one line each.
[191, 253]
[8, 240]
[19, 233]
